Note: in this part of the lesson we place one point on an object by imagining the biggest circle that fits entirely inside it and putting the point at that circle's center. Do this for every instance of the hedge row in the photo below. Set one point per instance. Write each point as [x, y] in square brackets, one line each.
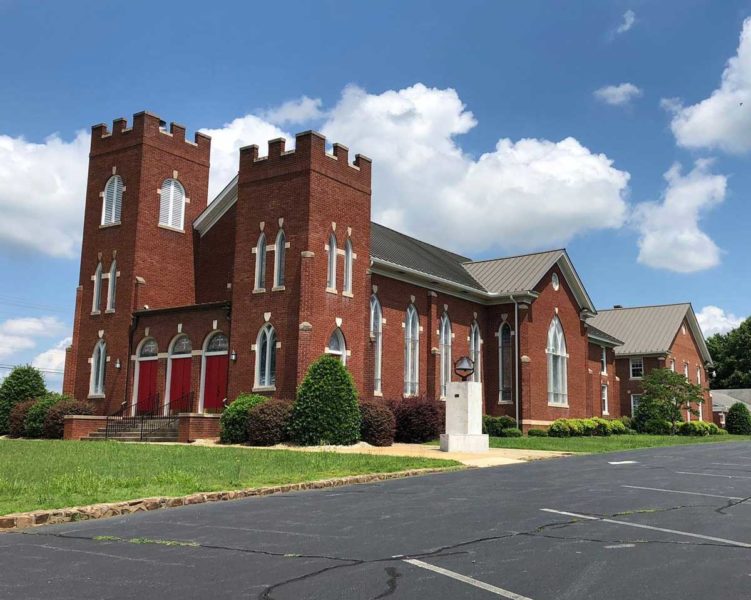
[700, 428]
[44, 417]
[595, 426]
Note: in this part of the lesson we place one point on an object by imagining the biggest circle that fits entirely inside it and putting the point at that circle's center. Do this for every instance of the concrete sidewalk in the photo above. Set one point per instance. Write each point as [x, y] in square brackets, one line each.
[493, 458]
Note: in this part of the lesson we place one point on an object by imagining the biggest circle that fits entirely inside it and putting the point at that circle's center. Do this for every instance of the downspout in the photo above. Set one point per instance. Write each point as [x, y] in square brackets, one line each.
[516, 360]
[131, 331]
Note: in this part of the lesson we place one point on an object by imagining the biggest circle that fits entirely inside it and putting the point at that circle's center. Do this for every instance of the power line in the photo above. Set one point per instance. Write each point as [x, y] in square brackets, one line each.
[51, 371]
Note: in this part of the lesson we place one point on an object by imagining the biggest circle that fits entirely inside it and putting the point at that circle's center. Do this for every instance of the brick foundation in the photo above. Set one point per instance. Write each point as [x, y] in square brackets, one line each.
[77, 427]
[196, 426]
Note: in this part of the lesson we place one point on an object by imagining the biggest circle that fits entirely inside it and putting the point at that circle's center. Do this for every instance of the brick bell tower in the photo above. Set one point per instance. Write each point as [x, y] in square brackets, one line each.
[300, 199]
[146, 185]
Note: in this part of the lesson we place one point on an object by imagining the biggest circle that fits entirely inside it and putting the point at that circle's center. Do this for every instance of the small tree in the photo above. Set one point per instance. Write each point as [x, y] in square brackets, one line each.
[738, 420]
[23, 383]
[666, 395]
[326, 409]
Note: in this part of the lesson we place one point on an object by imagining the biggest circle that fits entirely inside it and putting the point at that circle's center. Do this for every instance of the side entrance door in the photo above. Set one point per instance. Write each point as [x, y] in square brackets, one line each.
[179, 391]
[215, 383]
[147, 398]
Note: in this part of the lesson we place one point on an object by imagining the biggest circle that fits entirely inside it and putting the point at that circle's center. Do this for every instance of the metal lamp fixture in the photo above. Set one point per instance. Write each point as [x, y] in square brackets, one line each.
[233, 356]
[464, 367]
[117, 363]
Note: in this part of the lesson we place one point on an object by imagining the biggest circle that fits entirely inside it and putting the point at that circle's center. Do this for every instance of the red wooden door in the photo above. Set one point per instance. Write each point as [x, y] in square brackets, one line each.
[147, 386]
[179, 388]
[215, 383]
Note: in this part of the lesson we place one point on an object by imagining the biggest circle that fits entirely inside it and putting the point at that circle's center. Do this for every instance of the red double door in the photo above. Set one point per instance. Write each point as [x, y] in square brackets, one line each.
[179, 386]
[147, 395]
[215, 382]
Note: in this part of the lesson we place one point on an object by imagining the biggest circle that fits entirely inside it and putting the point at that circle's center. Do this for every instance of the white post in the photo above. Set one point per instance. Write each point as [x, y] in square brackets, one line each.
[464, 418]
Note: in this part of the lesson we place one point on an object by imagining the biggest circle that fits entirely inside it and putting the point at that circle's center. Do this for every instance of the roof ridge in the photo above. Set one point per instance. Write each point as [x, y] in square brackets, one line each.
[411, 237]
[603, 310]
[516, 256]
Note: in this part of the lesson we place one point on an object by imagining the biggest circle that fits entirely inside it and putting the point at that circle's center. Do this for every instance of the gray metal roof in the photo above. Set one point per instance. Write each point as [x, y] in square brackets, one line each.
[722, 400]
[515, 273]
[399, 249]
[600, 334]
[644, 329]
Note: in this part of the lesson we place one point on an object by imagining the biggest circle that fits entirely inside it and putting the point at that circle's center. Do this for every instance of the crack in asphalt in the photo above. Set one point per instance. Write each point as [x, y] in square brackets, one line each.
[730, 504]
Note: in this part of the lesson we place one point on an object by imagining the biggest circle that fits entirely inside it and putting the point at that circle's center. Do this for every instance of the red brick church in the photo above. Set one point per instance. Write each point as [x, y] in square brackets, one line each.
[183, 304]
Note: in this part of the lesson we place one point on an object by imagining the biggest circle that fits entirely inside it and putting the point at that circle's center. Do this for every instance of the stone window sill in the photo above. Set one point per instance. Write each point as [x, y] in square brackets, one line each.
[348, 294]
[95, 397]
[259, 291]
[170, 228]
[96, 312]
[278, 288]
[331, 291]
[107, 225]
[264, 388]
[553, 405]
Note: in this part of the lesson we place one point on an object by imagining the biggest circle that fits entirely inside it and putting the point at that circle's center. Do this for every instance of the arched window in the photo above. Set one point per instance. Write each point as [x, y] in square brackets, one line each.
[445, 344]
[266, 357]
[261, 262]
[348, 267]
[376, 335]
[112, 286]
[504, 363]
[97, 299]
[337, 346]
[218, 343]
[474, 349]
[149, 350]
[172, 204]
[331, 278]
[411, 351]
[280, 249]
[557, 364]
[98, 364]
[182, 345]
[112, 200]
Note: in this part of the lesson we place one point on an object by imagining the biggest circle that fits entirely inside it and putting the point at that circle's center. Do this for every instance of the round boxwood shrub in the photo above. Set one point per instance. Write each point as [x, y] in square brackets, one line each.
[268, 422]
[657, 426]
[493, 426]
[418, 420]
[617, 427]
[54, 422]
[538, 433]
[326, 409]
[713, 429]
[17, 418]
[378, 424]
[233, 424]
[738, 420]
[559, 428]
[511, 432]
[23, 383]
[34, 422]
[695, 428]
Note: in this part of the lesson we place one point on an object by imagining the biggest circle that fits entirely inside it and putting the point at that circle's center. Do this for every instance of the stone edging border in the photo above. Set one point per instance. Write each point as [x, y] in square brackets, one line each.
[36, 518]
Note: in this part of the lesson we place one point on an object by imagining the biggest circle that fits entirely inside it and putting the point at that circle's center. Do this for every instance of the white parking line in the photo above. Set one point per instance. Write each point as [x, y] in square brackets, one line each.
[713, 475]
[641, 526]
[464, 579]
[732, 464]
[639, 487]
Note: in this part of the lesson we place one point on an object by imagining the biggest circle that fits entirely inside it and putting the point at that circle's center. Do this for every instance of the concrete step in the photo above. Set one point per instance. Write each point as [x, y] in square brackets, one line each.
[131, 440]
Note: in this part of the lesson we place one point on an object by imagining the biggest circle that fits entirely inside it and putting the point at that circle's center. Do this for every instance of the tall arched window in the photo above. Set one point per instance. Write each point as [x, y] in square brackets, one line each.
[112, 200]
[557, 364]
[172, 204]
[261, 262]
[348, 267]
[112, 286]
[331, 278]
[337, 345]
[266, 357]
[376, 335]
[411, 351]
[98, 364]
[504, 363]
[445, 343]
[97, 299]
[474, 349]
[279, 251]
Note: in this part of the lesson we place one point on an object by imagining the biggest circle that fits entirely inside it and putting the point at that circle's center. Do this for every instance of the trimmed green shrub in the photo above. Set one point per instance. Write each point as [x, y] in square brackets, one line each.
[23, 383]
[538, 433]
[418, 420]
[626, 421]
[34, 422]
[695, 428]
[17, 418]
[233, 424]
[493, 425]
[618, 427]
[575, 426]
[326, 409]
[657, 426]
[738, 420]
[559, 428]
[511, 432]
[721, 432]
[603, 427]
[268, 422]
[378, 424]
[54, 422]
[713, 429]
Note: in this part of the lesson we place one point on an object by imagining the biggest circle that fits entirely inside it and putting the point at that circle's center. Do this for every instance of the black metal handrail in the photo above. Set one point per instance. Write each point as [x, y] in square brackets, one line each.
[129, 418]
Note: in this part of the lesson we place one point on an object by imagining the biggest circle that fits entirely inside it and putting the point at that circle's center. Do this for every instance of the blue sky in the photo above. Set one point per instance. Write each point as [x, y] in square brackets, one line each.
[490, 110]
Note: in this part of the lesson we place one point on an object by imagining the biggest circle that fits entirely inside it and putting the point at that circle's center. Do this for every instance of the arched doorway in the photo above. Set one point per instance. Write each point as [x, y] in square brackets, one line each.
[147, 397]
[214, 373]
[179, 376]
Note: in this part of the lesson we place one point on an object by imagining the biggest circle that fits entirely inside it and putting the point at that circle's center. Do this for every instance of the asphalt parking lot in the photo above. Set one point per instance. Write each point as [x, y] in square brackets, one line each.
[660, 523]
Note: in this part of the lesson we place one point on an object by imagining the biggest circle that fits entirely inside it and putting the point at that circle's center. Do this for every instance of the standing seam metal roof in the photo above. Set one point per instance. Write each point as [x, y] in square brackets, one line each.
[513, 274]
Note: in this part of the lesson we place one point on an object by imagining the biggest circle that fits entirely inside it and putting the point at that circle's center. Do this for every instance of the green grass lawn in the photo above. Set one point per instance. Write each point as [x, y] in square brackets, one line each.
[36, 474]
[613, 443]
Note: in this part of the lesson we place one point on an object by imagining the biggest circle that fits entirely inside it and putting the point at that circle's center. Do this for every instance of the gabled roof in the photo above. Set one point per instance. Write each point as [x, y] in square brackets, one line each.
[722, 400]
[597, 335]
[514, 273]
[649, 329]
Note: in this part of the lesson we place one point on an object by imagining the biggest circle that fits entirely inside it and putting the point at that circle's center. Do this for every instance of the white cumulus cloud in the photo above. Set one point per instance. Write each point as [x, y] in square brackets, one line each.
[628, 21]
[618, 95]
[301, 110]
[670, 236]
[713, 319]
[22, 334]
[42, 194]
[523, 194]
[723, 120]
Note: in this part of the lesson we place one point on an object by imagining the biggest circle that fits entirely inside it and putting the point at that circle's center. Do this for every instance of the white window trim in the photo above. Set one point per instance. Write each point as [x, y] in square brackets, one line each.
[348, 260]
[280, 254]
[556, 348]
[632, 402]
[112, 287]
[376, 333]
[331, 248]
[344, 353]
[266, 331]
[96, 302]
[260, 252]
[172, 203]
[501, 357]
[117, 201]
[631, 367]
[411, 352]
[604, 399]
[475, 350]
[445, 340]
[603, 360]
[97, 377]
